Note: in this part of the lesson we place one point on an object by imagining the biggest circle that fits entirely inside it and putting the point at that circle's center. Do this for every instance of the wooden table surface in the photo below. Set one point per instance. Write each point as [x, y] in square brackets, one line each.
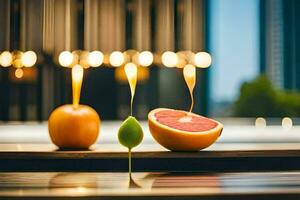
[27, 147]
[151, 158]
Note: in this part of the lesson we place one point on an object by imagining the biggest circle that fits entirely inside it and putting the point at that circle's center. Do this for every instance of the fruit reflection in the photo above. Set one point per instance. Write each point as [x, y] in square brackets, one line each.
[185, 180]
[73, 180]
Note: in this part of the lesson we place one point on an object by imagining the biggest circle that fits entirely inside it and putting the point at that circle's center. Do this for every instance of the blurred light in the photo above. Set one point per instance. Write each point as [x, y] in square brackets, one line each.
[145, 58]
[131, 70]
[287, 123]
[81, 189]
[17, 59]
[202, 59]
[260, 122]
[142, 74]
[19, 73]
[28, 59]
[116, 58]
[95, 58]
[182, 59]
[189, 71]
[6, 59]
[169, 59]
[77, 73]
[65, 58]
[81, 57]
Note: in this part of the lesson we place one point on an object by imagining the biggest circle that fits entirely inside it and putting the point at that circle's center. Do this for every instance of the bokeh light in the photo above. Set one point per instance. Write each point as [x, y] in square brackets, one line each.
[28, 59]
[6, 59]
[202, 59]
[65, 58]
[260, 122]
[116, 58]
[169, 59]
[287, 123]
[189, 70]
[77, 73]
[19, 73]
[145, 58]
[130, 70]
[95, 58]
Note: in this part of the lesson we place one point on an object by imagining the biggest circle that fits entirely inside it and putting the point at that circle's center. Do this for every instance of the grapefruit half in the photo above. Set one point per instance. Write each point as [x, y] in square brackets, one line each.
[179, 130]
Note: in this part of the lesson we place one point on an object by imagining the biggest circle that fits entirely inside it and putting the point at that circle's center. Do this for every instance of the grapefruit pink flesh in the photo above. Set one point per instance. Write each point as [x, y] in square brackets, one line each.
[184, 121]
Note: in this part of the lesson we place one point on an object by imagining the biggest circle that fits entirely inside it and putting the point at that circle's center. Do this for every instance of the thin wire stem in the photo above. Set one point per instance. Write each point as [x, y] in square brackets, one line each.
[129, 161]
[192, 98]
[131, 105]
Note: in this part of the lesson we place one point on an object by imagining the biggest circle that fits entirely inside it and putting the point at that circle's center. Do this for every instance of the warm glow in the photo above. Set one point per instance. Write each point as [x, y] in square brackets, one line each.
[169, 59]
[260, 122]
[77, 75]
[145, 58]
[81, 189]
[287, 123]
[28, 59]
[95, 58]
[131, 74]
[182, 59]
[116, 58]
[19, 73]
[130, 70]
[189, 73]
[202, 59]
[65, 58]
[6, 59]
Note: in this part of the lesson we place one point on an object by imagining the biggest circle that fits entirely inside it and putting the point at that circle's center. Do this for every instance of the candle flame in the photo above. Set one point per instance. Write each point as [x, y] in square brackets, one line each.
[77, 76]
[131, 74]
[189, 73]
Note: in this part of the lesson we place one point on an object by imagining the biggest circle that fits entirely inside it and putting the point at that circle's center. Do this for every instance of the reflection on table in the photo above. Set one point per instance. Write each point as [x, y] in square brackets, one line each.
[148, 184]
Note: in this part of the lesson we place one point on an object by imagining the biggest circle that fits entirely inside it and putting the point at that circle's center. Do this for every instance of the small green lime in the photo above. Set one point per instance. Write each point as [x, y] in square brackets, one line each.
[130, 133]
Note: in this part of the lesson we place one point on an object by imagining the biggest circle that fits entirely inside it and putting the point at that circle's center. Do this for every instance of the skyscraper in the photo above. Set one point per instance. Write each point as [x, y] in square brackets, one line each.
[279, 43]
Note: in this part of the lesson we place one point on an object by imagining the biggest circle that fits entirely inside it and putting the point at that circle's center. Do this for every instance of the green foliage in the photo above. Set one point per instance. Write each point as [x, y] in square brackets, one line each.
[289, 104]
[259, 98]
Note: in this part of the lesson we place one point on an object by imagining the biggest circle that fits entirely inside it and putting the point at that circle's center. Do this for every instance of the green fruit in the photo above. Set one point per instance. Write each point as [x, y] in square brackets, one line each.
[130, 133]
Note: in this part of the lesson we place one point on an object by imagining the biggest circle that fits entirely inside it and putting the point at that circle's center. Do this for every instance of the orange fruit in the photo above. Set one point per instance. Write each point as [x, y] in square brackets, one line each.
[179, 130]
[71, 127]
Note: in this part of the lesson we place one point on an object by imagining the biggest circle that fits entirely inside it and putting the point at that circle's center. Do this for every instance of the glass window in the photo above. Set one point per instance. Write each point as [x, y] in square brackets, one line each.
[234, 46]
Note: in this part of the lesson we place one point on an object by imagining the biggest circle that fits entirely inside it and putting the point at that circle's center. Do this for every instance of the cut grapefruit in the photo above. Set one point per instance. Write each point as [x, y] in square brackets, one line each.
[179, 130]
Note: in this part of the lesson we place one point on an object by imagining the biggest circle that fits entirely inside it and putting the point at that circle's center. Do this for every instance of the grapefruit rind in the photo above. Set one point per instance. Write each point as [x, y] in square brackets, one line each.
[180, 140]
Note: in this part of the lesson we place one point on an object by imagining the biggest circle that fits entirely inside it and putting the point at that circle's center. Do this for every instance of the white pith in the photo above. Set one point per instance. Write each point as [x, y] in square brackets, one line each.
[185, 119]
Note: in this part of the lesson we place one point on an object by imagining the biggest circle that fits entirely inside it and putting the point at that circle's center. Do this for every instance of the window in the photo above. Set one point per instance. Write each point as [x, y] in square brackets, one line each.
[234, 45]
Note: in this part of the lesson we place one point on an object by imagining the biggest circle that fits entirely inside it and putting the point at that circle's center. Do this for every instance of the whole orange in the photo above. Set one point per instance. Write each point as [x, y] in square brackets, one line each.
[74, 127]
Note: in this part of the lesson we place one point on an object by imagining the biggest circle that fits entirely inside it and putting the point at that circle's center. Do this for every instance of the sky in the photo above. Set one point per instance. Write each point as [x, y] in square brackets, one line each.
[234, 46]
